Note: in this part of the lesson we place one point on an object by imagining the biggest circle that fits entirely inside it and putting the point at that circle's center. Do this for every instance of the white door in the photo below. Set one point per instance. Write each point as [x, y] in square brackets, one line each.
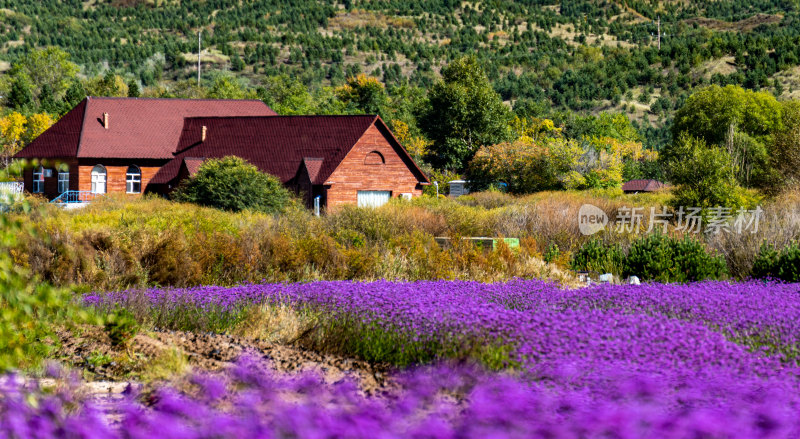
[373, 198]
[99, 180]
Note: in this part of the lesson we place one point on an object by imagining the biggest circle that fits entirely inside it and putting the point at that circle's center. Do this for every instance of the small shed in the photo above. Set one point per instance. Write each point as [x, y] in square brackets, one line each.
[458, 188]
[643, 185]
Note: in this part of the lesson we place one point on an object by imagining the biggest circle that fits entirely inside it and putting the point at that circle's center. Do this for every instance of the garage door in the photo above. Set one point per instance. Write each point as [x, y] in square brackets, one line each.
[373, 198]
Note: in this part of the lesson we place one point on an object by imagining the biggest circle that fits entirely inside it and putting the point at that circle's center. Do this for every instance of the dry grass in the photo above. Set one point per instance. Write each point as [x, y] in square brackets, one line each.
[362, 18]
[276, 323]
[745, 25]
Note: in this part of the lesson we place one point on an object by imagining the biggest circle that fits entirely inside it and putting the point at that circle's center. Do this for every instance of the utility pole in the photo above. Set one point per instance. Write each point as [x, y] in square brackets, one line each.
[659, 32]
[199, 36]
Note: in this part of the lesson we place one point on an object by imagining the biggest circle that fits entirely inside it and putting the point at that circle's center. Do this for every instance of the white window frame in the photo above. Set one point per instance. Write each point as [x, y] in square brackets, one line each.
[373, 198]
[38, 180]
[63, 181]
[99, 178]
[133, 179]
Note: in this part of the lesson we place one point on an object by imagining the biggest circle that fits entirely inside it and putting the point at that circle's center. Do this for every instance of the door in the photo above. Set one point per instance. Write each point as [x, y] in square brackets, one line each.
[373, 198]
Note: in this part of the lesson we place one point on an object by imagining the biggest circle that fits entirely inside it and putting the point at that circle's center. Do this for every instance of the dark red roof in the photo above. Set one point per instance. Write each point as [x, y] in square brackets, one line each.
[193, 164]
[278, 144]
[60, 140]
[642, 186]
[313, 166]
[141, 128]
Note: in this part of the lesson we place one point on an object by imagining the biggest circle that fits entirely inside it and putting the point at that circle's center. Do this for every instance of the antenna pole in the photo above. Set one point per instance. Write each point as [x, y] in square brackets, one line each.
[659, 32]
[199, 36]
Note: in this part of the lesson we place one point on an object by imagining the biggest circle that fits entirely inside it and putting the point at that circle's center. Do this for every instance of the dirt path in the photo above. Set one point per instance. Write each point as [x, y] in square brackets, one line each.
[90, 350]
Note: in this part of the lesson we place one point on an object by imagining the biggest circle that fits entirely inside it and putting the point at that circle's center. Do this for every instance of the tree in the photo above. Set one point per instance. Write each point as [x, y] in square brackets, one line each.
[363, 94]
[110, 85]
[287, 96]
[21, 95]
[36, 125]
[49, 67]
[74, 95]
[47, 101]
[784, 153]
[12, 130]
[16, 131]
[704, 175]
[133, 89]
[463, 113]
[231, 183]
[226, 87]
[709, 113]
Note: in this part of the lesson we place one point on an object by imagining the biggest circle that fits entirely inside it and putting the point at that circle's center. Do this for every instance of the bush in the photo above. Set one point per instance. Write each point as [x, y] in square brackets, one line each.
[29, 310]
[596, 256]
[665, 259]
[233, 184]
[784, 265]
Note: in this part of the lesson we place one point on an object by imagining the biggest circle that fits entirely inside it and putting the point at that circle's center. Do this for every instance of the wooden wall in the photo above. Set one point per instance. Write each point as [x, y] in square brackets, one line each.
[115, 177]
[51, 183]
[360, 171]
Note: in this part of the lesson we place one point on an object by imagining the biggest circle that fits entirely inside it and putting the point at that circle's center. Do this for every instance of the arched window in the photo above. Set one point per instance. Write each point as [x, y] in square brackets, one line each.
[374, 158]
[99, 179]
[38, 180]
[133, 180]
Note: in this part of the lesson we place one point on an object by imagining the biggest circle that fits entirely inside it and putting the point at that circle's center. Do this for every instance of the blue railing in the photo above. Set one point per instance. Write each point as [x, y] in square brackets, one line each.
[75, 197]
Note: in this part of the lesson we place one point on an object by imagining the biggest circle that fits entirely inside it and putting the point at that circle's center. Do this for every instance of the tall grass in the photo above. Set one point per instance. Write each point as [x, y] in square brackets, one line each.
[118, 243]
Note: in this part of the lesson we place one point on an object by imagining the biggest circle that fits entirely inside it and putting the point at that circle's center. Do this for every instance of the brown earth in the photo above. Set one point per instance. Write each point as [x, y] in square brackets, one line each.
[745, 25]
[89, 350]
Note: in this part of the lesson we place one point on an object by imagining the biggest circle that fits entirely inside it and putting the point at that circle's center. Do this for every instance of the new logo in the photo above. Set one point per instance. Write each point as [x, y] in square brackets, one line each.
[591, 219]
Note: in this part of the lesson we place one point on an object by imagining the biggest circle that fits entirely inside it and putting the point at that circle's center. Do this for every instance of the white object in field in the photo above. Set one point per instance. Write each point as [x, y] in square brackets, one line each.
[458, 188]
[608, 277]
[405, 196]
[634, 280]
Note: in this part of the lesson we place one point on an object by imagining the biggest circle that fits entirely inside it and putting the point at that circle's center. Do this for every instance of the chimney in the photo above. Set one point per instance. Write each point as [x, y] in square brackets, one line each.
[105, 120]
[203, 134]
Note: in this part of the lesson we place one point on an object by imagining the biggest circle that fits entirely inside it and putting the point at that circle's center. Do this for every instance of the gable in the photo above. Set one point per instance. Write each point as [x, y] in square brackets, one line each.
[376, 157]
[60, 140]
[378, 151]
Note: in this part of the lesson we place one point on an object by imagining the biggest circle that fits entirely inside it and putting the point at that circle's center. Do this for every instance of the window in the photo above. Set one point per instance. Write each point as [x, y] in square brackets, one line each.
[38, 180]
[374, 158]
[63, 182]
[133, 180]
[373, 198]
[99, 179]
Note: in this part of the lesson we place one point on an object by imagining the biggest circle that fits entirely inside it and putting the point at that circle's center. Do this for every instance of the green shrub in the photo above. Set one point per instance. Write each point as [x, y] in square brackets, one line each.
[121, 327]
[784, 265]
[596, 256]
[29, 310]
[665, 259]
[552, 253]
[230, 183]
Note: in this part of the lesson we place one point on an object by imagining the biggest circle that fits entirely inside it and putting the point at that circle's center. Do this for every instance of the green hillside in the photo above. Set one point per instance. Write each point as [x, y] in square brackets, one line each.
[541, 56]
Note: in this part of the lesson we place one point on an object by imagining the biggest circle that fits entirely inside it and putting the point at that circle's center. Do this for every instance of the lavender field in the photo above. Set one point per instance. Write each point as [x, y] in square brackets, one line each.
[519, 359]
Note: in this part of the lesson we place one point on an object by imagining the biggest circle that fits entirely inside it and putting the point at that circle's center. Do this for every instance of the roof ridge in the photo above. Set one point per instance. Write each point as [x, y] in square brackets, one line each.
[120, 98]
[286, 116]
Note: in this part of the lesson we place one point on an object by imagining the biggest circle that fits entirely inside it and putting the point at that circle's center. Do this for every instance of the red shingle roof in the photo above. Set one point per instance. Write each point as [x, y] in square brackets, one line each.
[60, 140]
[277, 144]
[193, 164]
[642, 186]
[313, 166]
[140, 128]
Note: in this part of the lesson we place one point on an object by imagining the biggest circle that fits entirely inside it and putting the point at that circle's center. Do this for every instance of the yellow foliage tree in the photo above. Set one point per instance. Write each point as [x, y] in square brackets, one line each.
[416, 146]
[12, 130]
[16, 131]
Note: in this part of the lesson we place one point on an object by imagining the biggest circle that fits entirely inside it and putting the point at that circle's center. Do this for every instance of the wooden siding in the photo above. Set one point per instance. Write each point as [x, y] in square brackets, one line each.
[359, 172]
[115, 176]
[51, 183]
